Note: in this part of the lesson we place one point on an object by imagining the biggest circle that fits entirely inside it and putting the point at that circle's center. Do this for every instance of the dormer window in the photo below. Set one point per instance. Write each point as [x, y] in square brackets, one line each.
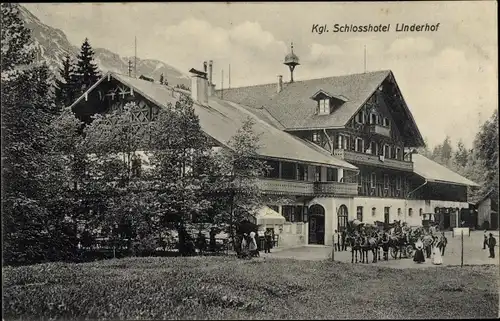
[373, 119]
[324, 106]
[386, 122]
[326, 101]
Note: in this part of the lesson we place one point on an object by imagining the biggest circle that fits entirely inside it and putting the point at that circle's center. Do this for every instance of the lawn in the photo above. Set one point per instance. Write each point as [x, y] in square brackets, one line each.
[227, 288]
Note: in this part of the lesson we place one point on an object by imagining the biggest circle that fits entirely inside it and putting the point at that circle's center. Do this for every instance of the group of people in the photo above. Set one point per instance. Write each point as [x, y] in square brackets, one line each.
[490, 242]
[433, 246]
[248, 246]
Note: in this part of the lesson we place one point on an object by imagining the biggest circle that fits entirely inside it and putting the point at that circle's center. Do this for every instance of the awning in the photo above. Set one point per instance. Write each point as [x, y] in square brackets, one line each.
[267, 216]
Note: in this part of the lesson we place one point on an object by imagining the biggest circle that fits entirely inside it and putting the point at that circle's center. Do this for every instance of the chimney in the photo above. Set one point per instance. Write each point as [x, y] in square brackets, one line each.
[205, 66]
[199, 86]
[210, 84]
[280, 84]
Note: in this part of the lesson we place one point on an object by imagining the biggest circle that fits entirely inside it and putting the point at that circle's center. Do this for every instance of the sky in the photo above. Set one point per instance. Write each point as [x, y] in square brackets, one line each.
[448, 77]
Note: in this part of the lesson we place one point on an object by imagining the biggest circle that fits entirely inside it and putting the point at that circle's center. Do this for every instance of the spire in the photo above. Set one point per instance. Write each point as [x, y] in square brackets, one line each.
[291, 60]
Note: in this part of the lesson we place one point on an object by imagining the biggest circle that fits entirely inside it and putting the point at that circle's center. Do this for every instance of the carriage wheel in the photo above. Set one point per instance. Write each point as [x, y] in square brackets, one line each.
[394, 253]
[409, 251]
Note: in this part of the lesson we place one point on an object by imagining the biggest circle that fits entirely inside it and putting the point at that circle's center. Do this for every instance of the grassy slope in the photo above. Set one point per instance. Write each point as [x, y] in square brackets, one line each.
[223, 288]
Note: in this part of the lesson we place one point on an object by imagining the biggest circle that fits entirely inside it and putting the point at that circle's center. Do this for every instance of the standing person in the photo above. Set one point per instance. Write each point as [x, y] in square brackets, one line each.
[268, 241]
[419, 252]
[343, 237]
[492, 242]
[336, 239]
[427, 239]
[244, 246]
[437, 259]
[252, 246]
[485, 239]
[385, 246]
[442, 243]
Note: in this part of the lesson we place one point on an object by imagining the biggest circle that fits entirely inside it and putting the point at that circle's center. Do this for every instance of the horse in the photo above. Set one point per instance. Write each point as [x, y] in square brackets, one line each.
[369, 243]
[354, 242]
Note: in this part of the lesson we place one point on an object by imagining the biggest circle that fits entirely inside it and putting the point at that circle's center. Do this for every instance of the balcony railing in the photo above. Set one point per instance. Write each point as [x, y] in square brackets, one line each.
[335, 189]
[373, 160]
[285, 187]
[277, 186]
[380, 130]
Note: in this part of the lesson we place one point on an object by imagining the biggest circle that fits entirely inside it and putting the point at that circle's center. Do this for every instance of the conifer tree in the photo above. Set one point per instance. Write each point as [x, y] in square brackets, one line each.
[86, 72]
[65, 91]
[161, 79]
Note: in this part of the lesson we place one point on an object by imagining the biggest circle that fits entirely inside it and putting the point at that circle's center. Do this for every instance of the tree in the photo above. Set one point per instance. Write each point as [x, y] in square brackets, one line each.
[181, 161]
[241, 195]
[86, 73]
[65, 91]
[461, 155]
[161, 79]
[182, 86]
[16, 47]
[34, 189]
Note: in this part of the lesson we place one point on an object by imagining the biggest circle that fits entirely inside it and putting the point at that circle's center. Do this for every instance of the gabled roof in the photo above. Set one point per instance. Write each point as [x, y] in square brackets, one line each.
[293, 107]
[434, 172]
[222, 119]
[295, 110]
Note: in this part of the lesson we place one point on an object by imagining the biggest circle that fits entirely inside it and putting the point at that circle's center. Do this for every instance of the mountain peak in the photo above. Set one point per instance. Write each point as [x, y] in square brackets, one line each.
[53, 46]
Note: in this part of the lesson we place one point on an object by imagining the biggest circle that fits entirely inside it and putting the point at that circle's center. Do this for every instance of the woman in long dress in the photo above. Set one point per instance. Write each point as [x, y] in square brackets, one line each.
[252, 246]
[437, 259]
[419, 252]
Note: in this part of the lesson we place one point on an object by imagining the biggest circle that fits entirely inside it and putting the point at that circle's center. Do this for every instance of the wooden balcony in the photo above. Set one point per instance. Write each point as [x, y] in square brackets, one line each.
[336, 189]
[373, 160]
[379, 130]
[304, 188]
[277, 186]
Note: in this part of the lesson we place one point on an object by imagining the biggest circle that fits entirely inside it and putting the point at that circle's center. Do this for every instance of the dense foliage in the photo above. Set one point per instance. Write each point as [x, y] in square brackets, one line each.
[66, 184]
[479, 164]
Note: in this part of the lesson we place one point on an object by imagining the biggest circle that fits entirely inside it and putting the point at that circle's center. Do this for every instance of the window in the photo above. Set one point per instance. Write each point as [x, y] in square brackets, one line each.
[399, 211]
[387, 151]
[274, 170]
[374, 211]
[342, 141]
[324, 106]
[386, 122]
[398, 153]
[288, 212]
[373, 180]
[359, 147]
[386, 181]
[316, 137]
[360, 118]
[331, 175]
[410, 212]
[359, 213]
[373, 119]
[302, 172]
[374, 148]
[420, 212]
[288, 170]
[317, 174]
[398, 183]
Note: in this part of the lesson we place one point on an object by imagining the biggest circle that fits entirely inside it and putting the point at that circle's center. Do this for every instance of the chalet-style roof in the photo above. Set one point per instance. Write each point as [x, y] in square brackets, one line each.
[434, 172]
[222, 119]
[295, 110]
